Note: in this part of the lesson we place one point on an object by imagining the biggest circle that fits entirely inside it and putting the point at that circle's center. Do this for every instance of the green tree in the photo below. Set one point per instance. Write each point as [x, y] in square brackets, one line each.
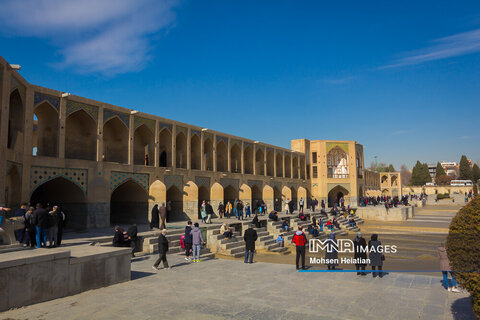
[420, 174]
[391, 168]
[476, 173]
[465, 169]
[439, 171]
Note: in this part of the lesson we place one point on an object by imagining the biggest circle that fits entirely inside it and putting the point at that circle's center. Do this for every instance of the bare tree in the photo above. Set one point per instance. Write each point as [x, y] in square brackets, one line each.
[406, 175]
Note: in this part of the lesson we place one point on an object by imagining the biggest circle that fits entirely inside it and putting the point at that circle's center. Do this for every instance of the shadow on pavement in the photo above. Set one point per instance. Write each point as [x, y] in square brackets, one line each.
[134, 275]
[462, 309]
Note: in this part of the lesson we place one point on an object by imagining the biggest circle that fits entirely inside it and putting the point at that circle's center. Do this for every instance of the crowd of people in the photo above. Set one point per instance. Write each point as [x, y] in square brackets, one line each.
[42, 225]
[388, 201]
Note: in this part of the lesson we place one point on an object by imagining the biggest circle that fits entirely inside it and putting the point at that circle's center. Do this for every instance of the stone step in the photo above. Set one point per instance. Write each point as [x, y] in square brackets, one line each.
[232, 245]
[239, 254]
[268, 242]
[279, 250]
[236, 250]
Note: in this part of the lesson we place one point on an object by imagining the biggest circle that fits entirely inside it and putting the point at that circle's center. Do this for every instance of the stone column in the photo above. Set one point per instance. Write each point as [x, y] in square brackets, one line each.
[189, 149]
[242, 166]
[61, 132]
[27, 144]
[254, 157]
[264, 161]
[5, 88]
[100, 150]
[229, 156]
[157, 146]
[131, 143]
[174, 146]
[291, 166]
[283, 164]
[215, 152]
[202, 158]
[274, 163]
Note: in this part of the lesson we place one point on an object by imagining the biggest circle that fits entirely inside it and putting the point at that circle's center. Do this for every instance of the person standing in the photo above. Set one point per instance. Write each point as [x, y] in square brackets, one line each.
[248, 213]
[331, 254]
[375, 254]
[197, 240]
[132, 236]
[301, 203]
[155, 221]
[239, 210]
[20, 213]
[221, 210]
[250, 237]
[314, 204]
[163, 215]
[203, 212]
[300, 240]
[287, 207]
[360, 246]
[323, 205]
[188, 240]
[60, 223]
[52, 228]
[162, 251]
[168, 216]
[209, 210]
[40, 221]
[29, 236]
[445, 267]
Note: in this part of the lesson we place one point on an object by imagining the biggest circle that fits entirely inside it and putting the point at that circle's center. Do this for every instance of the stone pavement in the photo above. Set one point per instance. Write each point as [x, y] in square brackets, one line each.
[219, 289]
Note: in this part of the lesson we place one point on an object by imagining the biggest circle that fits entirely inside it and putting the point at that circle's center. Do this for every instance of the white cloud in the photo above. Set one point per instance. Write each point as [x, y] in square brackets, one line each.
[338, 81]
[456, 45]
[93, 36]
[402, 132]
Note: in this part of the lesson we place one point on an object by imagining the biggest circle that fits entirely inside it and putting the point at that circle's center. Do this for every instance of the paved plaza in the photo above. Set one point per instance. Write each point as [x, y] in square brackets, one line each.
[218, 289]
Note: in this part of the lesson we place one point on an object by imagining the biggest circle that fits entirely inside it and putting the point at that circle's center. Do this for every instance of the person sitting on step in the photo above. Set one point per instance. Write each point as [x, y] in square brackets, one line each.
[226, 231]
[273, 216]
[285, 225]
[280, 240]
[302, 217]
[336, 224]
[352, 223]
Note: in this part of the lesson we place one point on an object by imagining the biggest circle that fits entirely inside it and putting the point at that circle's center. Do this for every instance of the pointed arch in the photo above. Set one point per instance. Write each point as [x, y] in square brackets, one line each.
[216, 192]
[230, 194]
[222, 156]
[248, 160]
[175, 202]
[245, 193]
[259, 162]
[270, 164]
[80, 136]
[46, 129]
[68, 196]
[335, 194]
[129, 204]
[15, 121]
[115, 141]
[204, 195]
[235, 159]
[337, 163]
[181, 151]
[208, 154]
[277, 198]
[190, 200]
[195, 152]
[143, 149]
[256, 193]
[165, 148]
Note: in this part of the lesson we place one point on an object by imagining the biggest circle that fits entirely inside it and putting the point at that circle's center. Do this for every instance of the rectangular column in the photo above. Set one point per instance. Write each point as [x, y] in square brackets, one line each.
[215, 152]
[229, 161]
[27, 145]
[242, 166]
[265, 161]
[174, 148]
[5, 88]
[157, 146]
[189, 149]
[202, 158]
[61, 132]
[100, 150]
[131, 132]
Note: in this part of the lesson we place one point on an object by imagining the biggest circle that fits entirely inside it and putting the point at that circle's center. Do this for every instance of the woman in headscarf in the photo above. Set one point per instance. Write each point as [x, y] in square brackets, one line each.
[155, 220]
[331, 252]
[360, 246]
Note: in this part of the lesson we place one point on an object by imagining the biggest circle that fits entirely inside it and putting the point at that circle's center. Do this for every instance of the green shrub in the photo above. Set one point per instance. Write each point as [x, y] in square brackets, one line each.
[443, 196]
[463, 249]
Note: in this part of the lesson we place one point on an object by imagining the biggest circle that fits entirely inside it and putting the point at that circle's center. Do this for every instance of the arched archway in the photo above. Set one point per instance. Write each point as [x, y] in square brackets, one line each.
[270, 165]
[385, 192]
[393, 181]
[256, 193]
[222, 156]
[235, 159]
[259, 162]
[336, 194]
[80, 136]
[46, 130]
[203, 195]
[13, 188]
[248, 160]
[165, 148]
[190, 199]
[230, 194]
[337, 163]
[384, 178]
[143, 146]
[294, 197]
[181, 151]
[268, 197]
[15, 121]
[129, 204]
[195, 152]
[115, 141]
[175, 199]
[288, 168]
[208, 154]
[279, 165]
[302, 194]
[68, 196]
[277, 198]
[245, 193]
[157, 194]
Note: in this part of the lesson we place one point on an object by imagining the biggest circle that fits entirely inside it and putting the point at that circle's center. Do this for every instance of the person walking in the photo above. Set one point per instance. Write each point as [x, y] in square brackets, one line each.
[155, 220]
[445, 267]
[60, 223]
[197, 240]
[331, 254]
[40, 216]
[239, 210]
[250, 237]
[203, 212]
[132, 236]
[248, 213]
[52, 227]
[209, 210]
[375, 255]
[162, 251]
[221, 210]
[188, 240]
[360, 246]
[300, 240]
[163, 215]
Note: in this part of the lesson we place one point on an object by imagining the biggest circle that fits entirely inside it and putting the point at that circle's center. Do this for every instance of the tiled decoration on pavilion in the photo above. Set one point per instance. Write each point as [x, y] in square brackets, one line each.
[224, 139]
[257, 183]
[198, 133]
[73, 106]
[225, 182]
[40, 97]
[15, 84]
[207, 135]
[119, 177]
[235, 142]
[182, 129]
[270, 149]
[138, 121]
[331, 145]
[174, 180]
[162, 125]
[202, 181]
[247, 144]
[109, 114]
[39, 175]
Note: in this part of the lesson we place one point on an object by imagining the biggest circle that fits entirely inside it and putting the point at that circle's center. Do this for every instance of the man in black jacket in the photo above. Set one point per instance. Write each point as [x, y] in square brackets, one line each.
[188, 240]
[40, 221]
[209, 209]
[162, 251]
[132, 236]
[250, 237]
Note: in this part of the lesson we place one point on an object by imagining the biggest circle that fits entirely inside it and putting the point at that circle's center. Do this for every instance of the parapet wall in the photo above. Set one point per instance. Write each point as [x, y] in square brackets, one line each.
[379, 213]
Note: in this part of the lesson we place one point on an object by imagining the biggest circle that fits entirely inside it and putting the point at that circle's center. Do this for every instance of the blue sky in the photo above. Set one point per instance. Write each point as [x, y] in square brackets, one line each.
[402, 78]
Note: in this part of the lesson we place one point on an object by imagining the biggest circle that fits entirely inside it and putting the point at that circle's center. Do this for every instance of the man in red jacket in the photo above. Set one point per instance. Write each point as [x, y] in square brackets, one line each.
[300, 241]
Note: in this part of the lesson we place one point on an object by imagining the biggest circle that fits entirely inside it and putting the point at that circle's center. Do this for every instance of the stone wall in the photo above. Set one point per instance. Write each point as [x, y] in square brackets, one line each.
[379, 213]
